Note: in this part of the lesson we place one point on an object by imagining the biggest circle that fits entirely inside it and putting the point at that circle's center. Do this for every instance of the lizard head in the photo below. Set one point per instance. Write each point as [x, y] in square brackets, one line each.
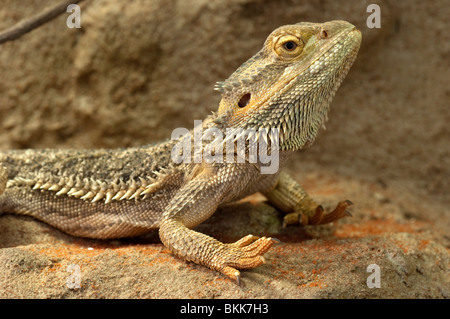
[291, 81]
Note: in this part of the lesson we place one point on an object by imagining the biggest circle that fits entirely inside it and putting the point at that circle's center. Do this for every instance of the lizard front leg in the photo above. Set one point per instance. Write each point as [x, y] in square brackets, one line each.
[194, 203]
[292, 199]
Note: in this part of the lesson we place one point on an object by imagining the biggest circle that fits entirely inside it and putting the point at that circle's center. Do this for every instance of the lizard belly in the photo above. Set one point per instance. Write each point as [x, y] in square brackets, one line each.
[84, 219]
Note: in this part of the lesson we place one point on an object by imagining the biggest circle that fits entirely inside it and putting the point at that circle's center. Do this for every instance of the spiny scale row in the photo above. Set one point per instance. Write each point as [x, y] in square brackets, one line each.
[93, 190]
[245, 80]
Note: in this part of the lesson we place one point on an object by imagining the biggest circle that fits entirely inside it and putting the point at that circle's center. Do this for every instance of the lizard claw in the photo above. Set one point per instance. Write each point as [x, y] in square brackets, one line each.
[276, 241]
[238, 279]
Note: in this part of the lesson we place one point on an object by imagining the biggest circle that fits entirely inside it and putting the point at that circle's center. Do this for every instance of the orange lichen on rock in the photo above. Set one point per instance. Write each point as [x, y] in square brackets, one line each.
[377, 227]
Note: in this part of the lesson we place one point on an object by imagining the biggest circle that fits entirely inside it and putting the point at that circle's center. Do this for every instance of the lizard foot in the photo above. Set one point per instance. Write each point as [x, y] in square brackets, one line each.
[318, 217]
[244, 254]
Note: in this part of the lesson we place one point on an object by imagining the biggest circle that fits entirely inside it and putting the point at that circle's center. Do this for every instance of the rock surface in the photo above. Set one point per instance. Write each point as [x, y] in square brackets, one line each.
[137, 70]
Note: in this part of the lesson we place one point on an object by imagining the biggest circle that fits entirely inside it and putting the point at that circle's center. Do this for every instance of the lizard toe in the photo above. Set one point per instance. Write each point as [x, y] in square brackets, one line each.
[339, 212]
[245, 241]
[259, 247]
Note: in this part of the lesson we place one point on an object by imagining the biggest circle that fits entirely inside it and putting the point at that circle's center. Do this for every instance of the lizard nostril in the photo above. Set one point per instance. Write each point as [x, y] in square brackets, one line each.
[244, 100]
[323, 34]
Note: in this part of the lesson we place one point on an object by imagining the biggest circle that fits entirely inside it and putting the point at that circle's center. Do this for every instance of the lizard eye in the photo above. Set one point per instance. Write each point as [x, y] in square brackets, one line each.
[244, 100]
[289, 46]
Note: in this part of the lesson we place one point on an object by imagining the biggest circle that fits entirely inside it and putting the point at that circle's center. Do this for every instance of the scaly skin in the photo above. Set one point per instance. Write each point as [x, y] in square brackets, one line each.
[287, 85]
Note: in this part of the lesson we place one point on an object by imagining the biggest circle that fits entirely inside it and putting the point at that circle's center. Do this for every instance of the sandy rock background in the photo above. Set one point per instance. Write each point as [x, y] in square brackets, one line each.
[138, 69]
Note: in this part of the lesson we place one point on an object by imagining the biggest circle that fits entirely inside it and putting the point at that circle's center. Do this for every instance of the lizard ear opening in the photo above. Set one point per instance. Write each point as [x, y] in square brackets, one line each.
[245, 99]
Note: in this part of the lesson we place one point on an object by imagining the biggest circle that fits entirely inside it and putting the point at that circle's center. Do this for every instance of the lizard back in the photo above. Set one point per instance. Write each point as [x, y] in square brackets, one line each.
[106, 193]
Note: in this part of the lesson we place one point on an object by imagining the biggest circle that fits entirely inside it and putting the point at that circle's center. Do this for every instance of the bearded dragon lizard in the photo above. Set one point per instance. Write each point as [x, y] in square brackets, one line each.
[116, 193]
